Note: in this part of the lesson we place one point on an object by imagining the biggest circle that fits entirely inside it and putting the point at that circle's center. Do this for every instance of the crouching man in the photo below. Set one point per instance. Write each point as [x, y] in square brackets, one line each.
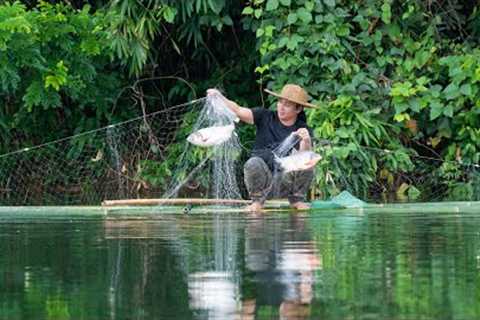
[273, 127]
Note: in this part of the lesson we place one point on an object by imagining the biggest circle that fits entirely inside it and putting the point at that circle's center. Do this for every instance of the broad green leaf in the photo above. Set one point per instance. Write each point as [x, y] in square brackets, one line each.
[247, 11]
[330, 3]
[304, 15]
[386, 13]
[436, 109]
[466, 89]
[343, 30]
[414, 104]
[403, 89]
[227, 20]
[294, 41]
[269, 30]
[283, 42]
[451, 91]
[272, 5]
[393, 31]
[421, 58]
[476, 76]
[422, 81]
[435, 90]
[286, 3]
[448, 111]
[169, 14]
[292, 18]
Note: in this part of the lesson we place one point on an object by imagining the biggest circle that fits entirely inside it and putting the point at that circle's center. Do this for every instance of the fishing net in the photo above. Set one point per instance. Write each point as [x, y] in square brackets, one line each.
[149, 157]
[343, 200]
[122, 160]
[145, 157]
[208, 171]
[387, 175]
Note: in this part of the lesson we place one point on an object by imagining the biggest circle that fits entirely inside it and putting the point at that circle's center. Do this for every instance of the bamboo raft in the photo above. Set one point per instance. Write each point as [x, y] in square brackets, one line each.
[137, 206]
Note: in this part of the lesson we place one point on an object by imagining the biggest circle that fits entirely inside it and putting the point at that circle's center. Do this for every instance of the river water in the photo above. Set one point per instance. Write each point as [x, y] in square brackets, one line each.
[322, 265]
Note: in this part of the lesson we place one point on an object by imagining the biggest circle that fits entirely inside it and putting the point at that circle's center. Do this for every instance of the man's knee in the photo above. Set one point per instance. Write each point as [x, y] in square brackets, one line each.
[254, 165]
[257, 178]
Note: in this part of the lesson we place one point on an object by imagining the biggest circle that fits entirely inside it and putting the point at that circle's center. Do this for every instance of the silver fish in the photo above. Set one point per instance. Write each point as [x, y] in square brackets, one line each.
[302, 160]
[211, 136]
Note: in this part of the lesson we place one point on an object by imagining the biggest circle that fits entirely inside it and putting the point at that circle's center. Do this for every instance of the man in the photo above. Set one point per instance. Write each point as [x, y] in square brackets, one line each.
[272, 129]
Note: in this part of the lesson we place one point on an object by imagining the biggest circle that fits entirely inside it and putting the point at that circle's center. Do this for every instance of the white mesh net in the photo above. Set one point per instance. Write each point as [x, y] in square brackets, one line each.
[209, 170]
[127, 160]
[108, 163]
[150, 157]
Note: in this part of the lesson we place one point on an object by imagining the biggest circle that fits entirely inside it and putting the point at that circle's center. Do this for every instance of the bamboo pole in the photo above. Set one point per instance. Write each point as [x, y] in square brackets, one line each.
[176, 201]
[185, 201]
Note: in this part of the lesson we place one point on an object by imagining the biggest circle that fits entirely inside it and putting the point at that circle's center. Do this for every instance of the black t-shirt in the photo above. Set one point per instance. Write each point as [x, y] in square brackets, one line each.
[270, 133]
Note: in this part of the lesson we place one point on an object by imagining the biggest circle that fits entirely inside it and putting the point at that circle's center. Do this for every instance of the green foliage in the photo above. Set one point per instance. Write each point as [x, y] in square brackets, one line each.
[393, 80]
[385, 75]
[139, 25]
[54, 69]
[134, 29]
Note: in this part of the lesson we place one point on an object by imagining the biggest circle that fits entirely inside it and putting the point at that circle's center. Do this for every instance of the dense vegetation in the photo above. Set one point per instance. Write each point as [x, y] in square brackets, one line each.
[402, 76]
[397, 82]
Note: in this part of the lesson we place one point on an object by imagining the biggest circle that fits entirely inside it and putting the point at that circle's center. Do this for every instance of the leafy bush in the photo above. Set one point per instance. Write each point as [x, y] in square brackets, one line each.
[56, 76]
[391, 80]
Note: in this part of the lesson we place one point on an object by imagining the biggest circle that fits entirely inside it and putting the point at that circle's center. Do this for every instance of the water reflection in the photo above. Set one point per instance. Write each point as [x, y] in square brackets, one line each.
[215, 288]
[280, 260]
[214, 292]
[229, 266]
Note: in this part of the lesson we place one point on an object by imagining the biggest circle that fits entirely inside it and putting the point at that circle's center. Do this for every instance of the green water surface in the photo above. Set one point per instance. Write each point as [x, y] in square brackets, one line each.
[328, 265]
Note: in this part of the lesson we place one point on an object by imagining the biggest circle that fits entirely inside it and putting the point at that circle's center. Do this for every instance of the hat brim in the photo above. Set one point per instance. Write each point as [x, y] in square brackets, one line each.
[305, 104]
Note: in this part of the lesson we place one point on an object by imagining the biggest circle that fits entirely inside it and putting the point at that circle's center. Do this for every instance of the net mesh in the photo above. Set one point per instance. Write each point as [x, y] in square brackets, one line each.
[149, 157]
[145, 157]
[114, 162]
[419, 179]
[209, 171]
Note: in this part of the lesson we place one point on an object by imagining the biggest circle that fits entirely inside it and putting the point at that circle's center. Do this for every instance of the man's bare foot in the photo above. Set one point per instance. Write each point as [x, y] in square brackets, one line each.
[300, 205]
[254, 207]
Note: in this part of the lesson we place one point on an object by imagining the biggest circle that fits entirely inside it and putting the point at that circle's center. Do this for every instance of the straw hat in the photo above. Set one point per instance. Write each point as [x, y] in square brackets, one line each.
[294, 93]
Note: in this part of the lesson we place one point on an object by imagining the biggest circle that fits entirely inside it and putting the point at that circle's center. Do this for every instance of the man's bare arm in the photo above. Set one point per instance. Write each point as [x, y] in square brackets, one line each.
[244, 114]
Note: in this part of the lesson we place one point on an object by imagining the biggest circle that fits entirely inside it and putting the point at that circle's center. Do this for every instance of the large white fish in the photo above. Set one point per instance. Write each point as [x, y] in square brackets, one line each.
[211, 136]
[298, 161]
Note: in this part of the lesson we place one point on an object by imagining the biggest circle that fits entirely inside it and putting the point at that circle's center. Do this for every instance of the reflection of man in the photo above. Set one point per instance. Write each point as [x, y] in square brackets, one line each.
[280, 267]
[297, 266]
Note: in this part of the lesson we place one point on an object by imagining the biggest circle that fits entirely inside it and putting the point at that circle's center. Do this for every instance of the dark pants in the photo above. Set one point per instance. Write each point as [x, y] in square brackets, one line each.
[261, 184]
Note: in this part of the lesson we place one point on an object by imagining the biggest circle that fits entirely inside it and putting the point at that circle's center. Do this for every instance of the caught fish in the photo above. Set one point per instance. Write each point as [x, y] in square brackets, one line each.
[302, 160]
[211, 136]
